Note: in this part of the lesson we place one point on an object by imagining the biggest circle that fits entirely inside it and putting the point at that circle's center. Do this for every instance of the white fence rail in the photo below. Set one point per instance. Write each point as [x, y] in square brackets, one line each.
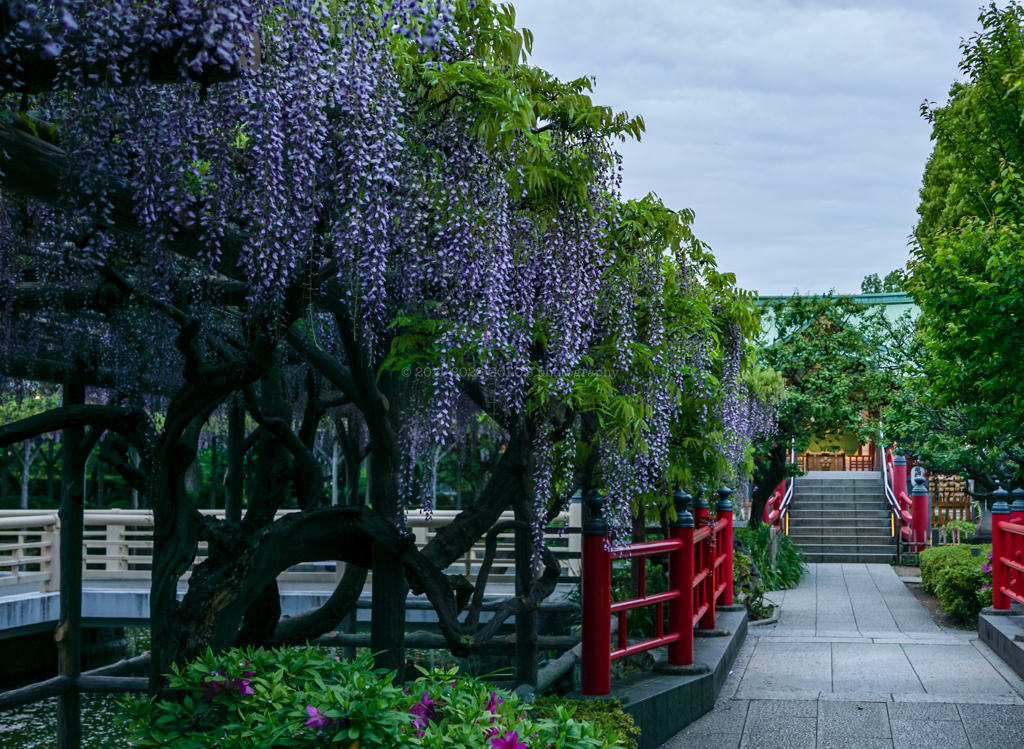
[118, 545]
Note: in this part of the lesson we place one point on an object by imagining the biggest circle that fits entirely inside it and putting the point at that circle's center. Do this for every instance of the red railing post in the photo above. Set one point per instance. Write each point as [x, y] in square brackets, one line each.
[680, 577]
[921, 510]
[1017, 508]
[595, 661]
[724, 511]
[702, 517]
[1001, 545]
[700, 508]
[899, 476]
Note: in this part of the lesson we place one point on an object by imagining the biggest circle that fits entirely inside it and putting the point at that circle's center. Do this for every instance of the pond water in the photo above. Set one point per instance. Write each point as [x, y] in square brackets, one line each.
[35, 726]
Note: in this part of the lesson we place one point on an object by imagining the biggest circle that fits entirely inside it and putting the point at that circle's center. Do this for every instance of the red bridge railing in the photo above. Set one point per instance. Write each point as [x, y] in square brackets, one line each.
[1007, 550]
[700, 575]
[915, 510]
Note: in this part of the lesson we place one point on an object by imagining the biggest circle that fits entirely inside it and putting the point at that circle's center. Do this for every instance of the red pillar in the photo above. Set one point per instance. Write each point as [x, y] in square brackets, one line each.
[680, 577]
[596, 662]
[921, 511]
[724, 511]
[1001, 546]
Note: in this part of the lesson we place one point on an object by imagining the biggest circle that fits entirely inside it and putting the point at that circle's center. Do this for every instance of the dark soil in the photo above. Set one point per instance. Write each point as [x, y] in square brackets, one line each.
[931, 604]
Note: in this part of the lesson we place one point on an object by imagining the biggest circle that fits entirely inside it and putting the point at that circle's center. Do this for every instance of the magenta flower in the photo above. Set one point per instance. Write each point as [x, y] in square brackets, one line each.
[316, 718]
[424, 710]
[494, 704]
[508, 741]
[243, 687]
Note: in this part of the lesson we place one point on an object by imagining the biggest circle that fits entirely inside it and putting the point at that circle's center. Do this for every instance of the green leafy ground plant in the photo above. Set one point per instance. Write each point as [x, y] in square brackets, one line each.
[789, 562]
[304, 697]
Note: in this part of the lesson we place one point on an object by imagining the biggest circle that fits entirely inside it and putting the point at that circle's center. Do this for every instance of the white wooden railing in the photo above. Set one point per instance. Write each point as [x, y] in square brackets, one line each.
[118, 545]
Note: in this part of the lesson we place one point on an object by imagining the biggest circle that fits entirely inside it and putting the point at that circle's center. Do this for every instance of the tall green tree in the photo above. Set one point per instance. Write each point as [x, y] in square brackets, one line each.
[827, 352]
[967, 273]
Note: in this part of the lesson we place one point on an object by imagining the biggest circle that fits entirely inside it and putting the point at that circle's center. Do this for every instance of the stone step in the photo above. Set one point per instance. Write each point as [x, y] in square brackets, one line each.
[831, 530]
[827, 521]
[841, 543]
[847, 493]
[878, 549]
[840, 476]
[829, 516]
[854, 558]
[847, 532]
[835, 506]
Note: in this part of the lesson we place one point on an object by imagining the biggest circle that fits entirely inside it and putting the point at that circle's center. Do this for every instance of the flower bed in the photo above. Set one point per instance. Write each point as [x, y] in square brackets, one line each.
[306, 698]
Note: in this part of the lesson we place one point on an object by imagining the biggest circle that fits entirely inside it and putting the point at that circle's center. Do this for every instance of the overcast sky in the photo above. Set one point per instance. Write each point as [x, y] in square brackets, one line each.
[791, 127]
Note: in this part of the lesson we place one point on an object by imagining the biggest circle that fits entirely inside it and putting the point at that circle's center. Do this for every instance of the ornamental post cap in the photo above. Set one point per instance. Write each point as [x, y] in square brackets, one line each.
[597, 523]
[724, 505]
[899, 460]
[681, 500]
[919, 486]
[701, 503]
[1018, 500]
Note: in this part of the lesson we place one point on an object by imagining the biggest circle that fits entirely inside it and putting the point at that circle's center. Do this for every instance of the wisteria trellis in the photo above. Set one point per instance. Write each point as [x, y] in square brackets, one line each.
[315, 155]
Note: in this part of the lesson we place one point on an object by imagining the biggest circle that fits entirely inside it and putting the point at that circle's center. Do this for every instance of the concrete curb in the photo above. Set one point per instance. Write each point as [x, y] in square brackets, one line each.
[664, 704]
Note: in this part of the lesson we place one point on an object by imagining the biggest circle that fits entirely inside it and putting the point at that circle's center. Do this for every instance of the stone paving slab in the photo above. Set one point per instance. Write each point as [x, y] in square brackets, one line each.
[855, 662]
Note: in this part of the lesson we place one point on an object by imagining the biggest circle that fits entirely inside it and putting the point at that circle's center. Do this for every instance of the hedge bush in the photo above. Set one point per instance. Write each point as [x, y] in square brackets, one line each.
[961, 582]
[937, 558]
[304, 698]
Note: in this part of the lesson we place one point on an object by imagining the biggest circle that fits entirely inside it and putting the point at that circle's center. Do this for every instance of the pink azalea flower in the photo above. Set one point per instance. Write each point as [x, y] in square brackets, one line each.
[243, 686]
[212, 687]
[316, 718]
[424, 711]
[508, 741]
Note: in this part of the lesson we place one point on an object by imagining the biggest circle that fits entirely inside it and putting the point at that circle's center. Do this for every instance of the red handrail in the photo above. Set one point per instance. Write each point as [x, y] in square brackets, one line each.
[700, 575]
[1007, 550]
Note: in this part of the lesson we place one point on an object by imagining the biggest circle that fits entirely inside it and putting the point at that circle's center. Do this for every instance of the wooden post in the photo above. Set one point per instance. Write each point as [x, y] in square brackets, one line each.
[1001, 545]
[680, 576]
[595, 663]
[235, 479]
[69, 630]
[526, 623]
[723, 511]
[51, 536]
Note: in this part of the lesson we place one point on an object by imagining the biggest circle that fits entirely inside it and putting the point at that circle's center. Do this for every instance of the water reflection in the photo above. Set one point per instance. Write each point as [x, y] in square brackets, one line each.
[35, 726]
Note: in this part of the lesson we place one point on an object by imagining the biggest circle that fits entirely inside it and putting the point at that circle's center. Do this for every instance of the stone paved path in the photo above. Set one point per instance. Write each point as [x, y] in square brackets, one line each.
[855, 662]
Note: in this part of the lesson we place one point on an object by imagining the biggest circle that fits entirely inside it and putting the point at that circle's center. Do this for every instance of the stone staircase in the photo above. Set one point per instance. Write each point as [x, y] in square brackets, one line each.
[841, 517]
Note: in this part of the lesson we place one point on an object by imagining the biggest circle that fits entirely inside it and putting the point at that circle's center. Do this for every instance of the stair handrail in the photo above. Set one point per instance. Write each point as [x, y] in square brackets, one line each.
[894, 504]
[790, 484]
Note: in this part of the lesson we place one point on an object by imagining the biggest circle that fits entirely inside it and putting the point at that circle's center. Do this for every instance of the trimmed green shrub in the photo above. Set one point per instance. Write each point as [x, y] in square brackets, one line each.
[958, 586]
[937, 558]
[606, 715]
[304, 698]
[961, 582]
[789, 562]
[966, 528]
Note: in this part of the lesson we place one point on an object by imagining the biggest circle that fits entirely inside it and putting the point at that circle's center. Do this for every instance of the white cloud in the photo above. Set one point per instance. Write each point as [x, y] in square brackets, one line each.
[791, 128]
